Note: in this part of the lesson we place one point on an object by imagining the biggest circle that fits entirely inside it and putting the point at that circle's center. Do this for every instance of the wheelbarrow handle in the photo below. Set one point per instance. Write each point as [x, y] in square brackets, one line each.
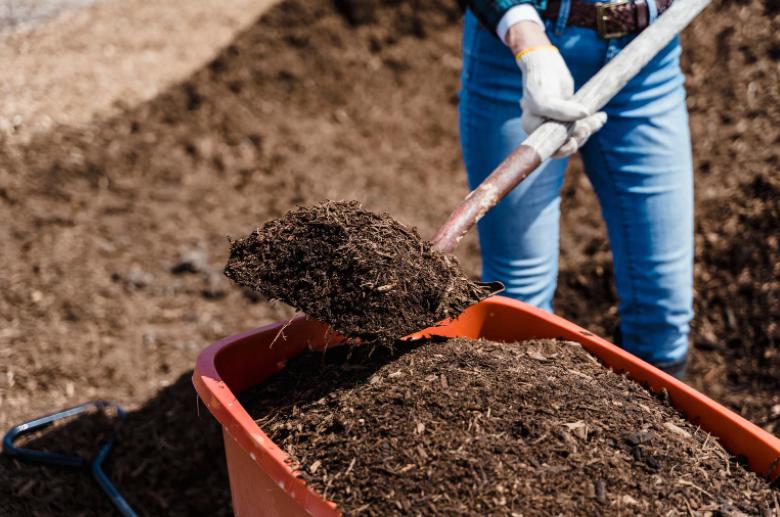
[70, 460]
[551, 135]
[44, 457]
[105, 484]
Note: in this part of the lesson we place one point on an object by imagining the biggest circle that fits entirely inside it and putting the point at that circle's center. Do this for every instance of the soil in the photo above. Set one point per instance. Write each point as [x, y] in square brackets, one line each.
[480, 428]
[115, 220]
[364, 274]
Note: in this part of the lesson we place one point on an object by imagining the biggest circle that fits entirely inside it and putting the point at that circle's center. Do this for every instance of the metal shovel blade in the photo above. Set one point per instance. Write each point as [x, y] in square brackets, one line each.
[491, 288]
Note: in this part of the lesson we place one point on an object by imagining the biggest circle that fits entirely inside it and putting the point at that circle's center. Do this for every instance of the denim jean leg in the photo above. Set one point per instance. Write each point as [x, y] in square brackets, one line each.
[641, 168]
[519, 237]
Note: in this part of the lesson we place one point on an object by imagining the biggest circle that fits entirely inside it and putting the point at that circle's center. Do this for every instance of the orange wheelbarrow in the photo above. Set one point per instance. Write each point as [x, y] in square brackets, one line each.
[261, 480]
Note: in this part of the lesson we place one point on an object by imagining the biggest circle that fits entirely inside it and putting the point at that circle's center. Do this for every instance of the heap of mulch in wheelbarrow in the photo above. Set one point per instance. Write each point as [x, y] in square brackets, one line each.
[363, 273]
[478, 428]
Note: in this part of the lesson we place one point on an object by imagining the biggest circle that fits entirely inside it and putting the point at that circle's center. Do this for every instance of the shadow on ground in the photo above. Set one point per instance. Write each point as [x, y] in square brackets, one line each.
[168, 460]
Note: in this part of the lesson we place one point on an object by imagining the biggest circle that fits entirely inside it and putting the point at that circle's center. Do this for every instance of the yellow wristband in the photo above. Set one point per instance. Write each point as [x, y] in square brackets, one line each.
[531, 49]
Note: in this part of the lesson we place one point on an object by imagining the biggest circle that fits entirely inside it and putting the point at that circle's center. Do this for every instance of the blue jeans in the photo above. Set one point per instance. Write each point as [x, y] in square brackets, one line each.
[640, 167]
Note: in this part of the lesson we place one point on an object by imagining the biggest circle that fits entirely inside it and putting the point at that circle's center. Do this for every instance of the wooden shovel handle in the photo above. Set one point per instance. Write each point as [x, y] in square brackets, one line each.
[551, 135]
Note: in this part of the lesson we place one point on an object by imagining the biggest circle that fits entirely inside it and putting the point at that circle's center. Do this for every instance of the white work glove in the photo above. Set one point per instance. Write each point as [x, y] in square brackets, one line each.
[547, 90]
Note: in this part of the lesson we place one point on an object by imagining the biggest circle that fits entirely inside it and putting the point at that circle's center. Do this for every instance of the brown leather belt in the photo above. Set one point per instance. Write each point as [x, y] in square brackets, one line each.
[611, 19]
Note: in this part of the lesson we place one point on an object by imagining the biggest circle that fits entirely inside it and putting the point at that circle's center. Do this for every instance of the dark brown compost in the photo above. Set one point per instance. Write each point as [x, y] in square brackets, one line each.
[480, 428]
[364, 274]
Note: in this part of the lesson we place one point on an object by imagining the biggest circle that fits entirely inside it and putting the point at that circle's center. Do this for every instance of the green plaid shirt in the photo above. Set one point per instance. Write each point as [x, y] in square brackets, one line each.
[490, 12]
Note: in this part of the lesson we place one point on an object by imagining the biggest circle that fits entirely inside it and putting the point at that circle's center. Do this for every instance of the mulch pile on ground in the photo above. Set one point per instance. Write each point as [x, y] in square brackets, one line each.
[476, 427]
[739, 297]
[364, 274]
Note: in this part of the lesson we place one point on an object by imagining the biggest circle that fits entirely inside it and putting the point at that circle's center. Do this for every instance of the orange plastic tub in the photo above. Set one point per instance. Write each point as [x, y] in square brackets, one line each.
[262, 483]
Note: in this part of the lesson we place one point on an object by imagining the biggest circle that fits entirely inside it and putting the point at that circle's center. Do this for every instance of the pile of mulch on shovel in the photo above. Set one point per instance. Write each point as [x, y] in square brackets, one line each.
[363, 273]
[476, 427]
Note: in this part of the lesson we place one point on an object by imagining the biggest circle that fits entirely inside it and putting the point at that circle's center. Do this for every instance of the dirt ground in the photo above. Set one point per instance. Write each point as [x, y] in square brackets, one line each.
[114, 227]
[84, 65]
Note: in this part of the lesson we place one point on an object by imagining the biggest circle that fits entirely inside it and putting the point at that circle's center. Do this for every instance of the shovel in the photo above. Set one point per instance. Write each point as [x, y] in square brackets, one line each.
[551, 135]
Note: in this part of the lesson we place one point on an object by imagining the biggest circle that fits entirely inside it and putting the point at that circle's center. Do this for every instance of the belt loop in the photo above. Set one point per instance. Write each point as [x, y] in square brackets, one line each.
[652, 11]
[563, 17]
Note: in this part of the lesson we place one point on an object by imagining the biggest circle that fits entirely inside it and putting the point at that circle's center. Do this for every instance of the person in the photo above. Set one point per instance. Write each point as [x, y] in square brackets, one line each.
[522, 62]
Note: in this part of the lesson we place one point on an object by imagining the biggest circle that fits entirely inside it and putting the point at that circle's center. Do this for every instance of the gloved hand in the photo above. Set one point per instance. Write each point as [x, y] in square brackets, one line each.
[547, 90]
